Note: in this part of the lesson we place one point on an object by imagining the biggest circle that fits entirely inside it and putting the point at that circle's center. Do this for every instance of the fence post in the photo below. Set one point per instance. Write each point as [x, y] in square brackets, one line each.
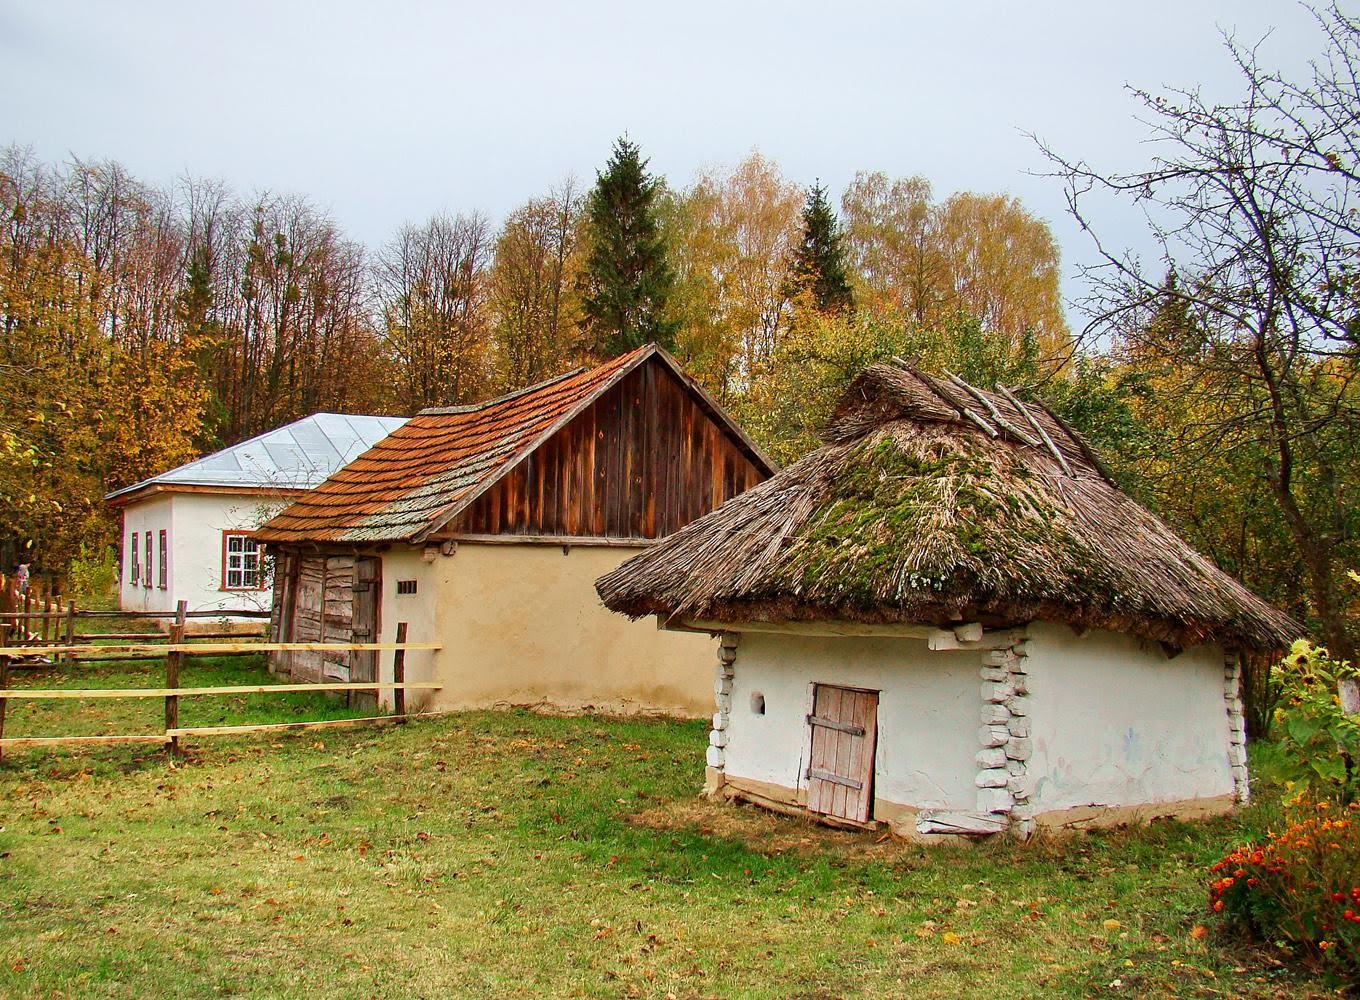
[69, 658]
[173, 660]
[399, 676]
[4, 683]
[1348, 693]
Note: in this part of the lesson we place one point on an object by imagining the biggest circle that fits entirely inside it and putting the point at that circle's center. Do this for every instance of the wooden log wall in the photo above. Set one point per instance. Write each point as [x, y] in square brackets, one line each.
[641, 462]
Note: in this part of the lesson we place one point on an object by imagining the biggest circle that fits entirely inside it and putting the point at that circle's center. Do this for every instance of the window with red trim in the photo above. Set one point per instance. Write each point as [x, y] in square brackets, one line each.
[134, 561]
[241, 569]
[163, 577]
[146, 570]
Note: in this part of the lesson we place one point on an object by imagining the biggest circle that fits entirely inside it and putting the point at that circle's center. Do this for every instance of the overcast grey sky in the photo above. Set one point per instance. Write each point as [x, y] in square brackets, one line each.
[386, 111]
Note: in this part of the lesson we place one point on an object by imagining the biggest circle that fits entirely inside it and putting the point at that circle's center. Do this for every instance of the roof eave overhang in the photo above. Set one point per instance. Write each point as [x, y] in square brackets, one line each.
[143, 491]
[1182, 635]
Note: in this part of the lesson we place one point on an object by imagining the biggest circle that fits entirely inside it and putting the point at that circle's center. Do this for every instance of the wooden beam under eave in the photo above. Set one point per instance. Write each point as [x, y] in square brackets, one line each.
[827, 628]
[584, 541]
[156, 489]
[969, 636]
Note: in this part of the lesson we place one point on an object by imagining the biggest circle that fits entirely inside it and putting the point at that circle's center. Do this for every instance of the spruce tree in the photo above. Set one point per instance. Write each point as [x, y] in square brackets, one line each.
[627, 278]
[818, 265]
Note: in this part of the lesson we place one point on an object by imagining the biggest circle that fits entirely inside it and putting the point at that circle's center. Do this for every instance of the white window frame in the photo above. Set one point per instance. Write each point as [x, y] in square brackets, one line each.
[242, 562]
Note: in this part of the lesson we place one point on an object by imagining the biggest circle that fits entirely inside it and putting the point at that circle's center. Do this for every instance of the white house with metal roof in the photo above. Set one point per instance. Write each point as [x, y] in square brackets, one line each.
[186, 532]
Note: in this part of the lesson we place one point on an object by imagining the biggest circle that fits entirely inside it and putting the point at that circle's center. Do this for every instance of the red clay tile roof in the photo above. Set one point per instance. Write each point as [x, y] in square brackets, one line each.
[423, 474]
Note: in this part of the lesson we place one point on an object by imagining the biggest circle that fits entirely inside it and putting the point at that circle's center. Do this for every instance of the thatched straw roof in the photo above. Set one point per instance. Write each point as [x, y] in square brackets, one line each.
[934, 502]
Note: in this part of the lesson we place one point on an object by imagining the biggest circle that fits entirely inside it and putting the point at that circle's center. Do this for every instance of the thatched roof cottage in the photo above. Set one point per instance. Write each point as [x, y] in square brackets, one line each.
[949, 618]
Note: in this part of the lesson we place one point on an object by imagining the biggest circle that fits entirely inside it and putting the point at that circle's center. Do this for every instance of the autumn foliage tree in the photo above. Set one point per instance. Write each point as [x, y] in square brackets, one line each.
[432, 284]
[925, 263]
[93, 390]
[535, 299]
[732, 234]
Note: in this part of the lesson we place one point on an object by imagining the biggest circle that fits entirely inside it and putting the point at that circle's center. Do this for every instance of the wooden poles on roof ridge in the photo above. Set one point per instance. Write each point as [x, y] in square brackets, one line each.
[1024, 411]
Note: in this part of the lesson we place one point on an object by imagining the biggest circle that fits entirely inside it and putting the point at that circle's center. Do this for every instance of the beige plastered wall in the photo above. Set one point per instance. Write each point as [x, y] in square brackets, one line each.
[521, 625]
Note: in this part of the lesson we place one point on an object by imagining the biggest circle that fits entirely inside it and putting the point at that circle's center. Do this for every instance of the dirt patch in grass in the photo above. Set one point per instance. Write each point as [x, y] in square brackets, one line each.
[767, 832]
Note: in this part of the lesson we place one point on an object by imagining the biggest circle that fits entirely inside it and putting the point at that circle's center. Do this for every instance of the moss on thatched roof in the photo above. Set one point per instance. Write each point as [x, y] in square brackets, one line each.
[933, 502]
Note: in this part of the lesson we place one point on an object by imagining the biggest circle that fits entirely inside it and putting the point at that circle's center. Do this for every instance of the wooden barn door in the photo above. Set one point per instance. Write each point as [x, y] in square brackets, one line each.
[363, 663]
[844, 723]
[305, 619]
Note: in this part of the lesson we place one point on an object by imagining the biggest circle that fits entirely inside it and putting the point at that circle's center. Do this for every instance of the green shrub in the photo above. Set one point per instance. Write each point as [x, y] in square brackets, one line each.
[93, 577]
[1300, 888]
[1319, 744]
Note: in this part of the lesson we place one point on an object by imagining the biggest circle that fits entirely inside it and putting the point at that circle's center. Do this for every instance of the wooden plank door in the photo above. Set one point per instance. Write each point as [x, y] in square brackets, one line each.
[844, 723]
[305, 624]
[363, 663]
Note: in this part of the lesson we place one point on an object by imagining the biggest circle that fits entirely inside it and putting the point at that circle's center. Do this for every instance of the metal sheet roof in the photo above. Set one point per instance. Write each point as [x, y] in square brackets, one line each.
[296, 456]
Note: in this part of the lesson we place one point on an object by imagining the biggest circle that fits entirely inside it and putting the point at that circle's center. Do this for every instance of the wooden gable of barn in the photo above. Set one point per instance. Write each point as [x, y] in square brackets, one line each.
[644, 459]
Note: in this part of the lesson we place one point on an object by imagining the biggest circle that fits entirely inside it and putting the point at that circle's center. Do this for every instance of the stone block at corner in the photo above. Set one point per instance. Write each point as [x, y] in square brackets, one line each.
[994, 800]
[995, 777]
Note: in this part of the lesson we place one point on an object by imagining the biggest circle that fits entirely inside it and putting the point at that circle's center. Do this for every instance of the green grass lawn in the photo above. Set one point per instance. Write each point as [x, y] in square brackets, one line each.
[511, 854]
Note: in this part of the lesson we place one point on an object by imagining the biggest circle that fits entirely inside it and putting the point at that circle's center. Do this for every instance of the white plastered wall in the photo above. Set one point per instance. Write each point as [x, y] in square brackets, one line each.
[195, 523]
[1116, 722]
[522, 625]
[927, 713]
[154, 515]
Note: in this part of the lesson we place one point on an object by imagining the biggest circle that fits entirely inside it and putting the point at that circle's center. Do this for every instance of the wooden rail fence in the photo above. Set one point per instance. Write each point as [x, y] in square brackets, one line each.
[175, 647]
[53, 614]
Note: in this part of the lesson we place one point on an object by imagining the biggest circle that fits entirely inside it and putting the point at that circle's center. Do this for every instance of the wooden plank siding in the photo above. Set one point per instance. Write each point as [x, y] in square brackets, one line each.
[642, 461]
